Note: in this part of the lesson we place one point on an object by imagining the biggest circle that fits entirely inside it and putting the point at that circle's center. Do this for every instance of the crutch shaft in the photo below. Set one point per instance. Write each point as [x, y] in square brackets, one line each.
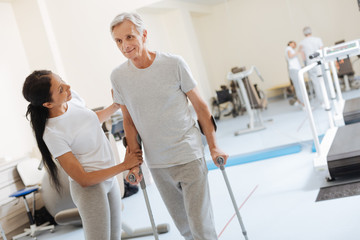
[143, 187]
[220, 160]
[132, 178]
[234, 203]
[153, 226]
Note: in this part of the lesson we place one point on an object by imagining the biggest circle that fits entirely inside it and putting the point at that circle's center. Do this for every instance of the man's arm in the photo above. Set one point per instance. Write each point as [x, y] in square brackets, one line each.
[131, 140]
[208, 128]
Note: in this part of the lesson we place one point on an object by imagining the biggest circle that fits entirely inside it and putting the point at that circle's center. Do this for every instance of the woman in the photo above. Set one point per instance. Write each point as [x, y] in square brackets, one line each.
[294, 67]
[70, 133]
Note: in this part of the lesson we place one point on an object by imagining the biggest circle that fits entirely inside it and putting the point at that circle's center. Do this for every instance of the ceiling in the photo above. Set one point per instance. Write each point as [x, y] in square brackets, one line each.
[207, 2]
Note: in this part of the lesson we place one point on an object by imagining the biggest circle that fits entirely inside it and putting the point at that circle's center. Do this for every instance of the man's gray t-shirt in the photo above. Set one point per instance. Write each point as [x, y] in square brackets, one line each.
[310, 45]
[155, 98]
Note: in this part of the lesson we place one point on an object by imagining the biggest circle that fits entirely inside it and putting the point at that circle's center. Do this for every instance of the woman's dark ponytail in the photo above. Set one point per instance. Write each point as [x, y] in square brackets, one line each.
[36, 90]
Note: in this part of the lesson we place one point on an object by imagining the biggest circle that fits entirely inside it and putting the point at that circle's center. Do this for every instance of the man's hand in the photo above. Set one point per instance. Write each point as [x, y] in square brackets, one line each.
[217, 152]
[136, 173]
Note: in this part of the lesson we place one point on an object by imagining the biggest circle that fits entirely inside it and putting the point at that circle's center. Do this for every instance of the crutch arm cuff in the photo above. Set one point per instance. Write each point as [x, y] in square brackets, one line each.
[213, 122]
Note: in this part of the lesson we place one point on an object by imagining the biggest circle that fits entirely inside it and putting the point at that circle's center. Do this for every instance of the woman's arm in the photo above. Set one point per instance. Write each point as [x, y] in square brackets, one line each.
[106, 113]
[75, 170]
[291, 55]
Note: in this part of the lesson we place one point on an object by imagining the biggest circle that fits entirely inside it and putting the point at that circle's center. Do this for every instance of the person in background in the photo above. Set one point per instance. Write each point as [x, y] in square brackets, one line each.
[294, 66]
[69, 133]
[153, 89]
[308, 46]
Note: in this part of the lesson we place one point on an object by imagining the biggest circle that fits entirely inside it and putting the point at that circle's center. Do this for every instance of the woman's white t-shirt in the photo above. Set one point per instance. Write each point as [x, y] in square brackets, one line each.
[293, 63]
[79, 131]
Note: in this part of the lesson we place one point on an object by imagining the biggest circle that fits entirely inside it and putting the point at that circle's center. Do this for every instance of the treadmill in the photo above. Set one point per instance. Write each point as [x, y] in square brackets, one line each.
[348, 111]
[343, 158]
[351, 112]
[339, 151]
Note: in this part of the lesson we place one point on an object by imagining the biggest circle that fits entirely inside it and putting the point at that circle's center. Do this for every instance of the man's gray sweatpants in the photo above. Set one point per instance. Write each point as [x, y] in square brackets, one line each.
[100, 208]
[185, 192]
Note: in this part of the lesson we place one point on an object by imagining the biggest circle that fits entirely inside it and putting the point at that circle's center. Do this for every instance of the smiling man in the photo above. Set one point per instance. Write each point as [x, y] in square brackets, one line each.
[153, 90]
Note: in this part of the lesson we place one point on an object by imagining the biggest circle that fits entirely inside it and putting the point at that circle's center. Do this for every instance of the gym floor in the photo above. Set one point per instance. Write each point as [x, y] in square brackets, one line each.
[276, 196]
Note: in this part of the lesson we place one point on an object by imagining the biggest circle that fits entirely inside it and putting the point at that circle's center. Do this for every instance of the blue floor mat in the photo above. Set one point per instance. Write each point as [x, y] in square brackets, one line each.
[257, 156]
[313, 149]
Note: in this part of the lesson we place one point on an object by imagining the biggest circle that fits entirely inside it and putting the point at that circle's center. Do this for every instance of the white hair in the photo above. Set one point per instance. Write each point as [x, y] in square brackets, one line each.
[132, 17]
[307, 31]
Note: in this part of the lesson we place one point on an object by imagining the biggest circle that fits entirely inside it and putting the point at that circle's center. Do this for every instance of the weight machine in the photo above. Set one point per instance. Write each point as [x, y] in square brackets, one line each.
[254, 102]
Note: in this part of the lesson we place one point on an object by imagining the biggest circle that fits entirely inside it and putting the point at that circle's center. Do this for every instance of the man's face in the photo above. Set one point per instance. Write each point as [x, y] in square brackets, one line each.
[129, 40]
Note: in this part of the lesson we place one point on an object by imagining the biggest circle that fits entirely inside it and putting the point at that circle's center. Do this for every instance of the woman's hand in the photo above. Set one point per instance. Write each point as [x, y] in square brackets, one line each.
[132, 159]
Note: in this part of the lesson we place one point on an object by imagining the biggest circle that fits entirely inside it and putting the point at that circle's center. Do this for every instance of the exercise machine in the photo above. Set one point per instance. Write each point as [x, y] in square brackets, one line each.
[345, 71]
[2, 233]
[226, 102]
[347, 110]
[339, 151]
[253, 102]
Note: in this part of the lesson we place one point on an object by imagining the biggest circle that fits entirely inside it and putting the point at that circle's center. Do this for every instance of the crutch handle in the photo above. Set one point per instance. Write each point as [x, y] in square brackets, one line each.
[220, 160]
[132, 178]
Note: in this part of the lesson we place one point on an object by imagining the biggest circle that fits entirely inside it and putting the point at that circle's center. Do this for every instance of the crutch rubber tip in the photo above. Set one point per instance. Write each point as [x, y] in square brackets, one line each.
[163, 228]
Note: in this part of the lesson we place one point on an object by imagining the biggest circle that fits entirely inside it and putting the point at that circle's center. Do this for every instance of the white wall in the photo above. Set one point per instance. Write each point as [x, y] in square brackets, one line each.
[87, 51]
[16, 137]
[33, 34]
[256, 32]
[172, 30]
[72, 37]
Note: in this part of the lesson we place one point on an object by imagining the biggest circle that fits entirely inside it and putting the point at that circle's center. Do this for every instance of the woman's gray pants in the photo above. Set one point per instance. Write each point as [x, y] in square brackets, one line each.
[100, 208]
[295, 79]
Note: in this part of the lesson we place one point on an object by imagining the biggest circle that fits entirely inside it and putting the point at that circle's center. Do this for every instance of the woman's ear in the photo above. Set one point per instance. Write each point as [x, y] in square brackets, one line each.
[47, 105]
